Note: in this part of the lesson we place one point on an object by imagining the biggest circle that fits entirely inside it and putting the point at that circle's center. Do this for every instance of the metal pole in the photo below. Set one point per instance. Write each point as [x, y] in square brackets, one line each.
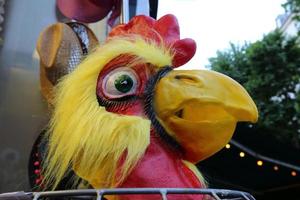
[124, 15]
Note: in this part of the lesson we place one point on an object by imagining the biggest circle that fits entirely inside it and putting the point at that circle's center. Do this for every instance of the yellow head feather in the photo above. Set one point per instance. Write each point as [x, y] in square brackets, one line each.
[82, 135]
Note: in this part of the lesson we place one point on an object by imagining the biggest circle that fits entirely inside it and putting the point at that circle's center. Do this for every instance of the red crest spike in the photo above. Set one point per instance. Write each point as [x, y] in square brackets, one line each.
[165, 30]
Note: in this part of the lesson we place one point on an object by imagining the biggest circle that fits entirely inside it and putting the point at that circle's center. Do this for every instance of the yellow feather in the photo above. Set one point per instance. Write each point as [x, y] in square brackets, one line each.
[82, 135]
[196, 172]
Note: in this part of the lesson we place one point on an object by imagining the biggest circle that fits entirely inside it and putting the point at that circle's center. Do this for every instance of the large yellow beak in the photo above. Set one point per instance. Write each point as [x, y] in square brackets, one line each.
[200, 109]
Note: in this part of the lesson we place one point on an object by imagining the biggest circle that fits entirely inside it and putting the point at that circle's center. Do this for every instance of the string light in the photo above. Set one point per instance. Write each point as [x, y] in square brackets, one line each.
[260, 159]
[259, 163]
[242, 154]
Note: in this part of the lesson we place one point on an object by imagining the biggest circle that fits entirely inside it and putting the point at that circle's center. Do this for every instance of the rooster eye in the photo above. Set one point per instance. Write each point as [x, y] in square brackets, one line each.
[119, 83]
[124, 83]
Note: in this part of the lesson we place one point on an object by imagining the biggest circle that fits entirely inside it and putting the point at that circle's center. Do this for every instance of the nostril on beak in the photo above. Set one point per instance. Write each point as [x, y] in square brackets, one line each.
[179, 113]
[188, 79]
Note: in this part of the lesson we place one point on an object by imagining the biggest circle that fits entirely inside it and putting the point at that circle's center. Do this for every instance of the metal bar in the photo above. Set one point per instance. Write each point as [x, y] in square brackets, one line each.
[20, 195]
[248, 196]
[124, 15]
[163, 193]
[36, 196]
[215, 196]
[99, 195]
[216, 193]
[245, 196]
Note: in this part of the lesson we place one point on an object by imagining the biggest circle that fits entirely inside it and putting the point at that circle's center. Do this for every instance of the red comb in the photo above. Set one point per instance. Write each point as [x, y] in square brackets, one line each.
[165, 30]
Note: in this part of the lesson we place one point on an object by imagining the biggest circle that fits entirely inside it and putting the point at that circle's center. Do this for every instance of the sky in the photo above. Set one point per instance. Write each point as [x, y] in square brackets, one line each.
[213, 24]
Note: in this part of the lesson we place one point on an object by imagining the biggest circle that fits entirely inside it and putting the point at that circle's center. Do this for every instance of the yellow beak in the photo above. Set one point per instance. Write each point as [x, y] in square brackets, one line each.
[200, 109]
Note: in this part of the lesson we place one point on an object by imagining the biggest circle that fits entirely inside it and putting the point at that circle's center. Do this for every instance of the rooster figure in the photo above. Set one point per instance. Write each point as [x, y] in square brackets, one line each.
[124, 118]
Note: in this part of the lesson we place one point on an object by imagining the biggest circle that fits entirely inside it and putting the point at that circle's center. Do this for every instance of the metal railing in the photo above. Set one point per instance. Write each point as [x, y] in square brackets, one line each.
[99, 194]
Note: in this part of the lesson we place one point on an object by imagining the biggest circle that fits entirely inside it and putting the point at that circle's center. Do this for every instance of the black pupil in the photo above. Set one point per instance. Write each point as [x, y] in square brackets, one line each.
[124, 83]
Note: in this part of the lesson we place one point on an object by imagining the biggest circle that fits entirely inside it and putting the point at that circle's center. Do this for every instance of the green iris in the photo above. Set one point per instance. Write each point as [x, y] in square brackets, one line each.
[124, 83]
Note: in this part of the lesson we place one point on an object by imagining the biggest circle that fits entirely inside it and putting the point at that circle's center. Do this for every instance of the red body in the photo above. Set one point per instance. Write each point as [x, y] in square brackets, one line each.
[161, 168]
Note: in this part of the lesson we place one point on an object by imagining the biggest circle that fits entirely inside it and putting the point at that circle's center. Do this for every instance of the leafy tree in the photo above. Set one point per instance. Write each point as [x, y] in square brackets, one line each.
[270, 71]
[292, 6]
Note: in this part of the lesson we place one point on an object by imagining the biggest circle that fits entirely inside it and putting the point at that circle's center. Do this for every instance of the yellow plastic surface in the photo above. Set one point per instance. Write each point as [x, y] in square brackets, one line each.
[200, 109]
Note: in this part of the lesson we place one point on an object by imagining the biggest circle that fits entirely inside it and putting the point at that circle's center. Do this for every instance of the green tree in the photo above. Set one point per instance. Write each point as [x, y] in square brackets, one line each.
[293, 6]
[270, 70]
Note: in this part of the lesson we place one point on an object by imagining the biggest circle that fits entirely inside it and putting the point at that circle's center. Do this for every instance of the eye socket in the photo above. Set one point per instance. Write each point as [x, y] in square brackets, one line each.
[119, 83]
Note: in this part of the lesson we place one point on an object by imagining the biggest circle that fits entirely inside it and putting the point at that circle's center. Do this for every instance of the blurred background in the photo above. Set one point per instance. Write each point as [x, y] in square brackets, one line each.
[254, 42]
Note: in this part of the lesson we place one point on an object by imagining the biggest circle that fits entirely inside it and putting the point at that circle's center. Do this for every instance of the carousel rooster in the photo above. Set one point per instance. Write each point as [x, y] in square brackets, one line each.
[124, 118]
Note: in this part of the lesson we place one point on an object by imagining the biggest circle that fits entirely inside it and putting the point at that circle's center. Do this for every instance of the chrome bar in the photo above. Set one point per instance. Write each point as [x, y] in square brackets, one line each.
[218, 194]
[124, 15]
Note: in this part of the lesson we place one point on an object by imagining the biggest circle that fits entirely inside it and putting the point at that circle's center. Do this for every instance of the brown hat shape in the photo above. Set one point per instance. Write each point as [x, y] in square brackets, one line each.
[61, 47]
